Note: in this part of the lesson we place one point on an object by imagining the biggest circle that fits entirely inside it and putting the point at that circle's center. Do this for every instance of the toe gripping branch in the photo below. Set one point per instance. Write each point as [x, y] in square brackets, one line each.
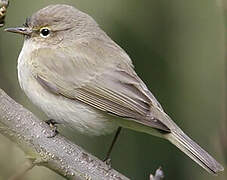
[53, 126]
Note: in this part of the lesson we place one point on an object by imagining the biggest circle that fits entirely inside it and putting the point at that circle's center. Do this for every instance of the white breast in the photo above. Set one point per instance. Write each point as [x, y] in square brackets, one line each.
[81, 117]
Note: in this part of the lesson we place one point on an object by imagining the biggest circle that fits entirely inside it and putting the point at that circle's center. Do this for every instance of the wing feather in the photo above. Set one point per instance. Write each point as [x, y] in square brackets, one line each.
[98, 74]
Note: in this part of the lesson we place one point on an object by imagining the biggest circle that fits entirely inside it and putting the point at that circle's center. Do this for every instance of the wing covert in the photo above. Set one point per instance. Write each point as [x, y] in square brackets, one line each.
[101, 76]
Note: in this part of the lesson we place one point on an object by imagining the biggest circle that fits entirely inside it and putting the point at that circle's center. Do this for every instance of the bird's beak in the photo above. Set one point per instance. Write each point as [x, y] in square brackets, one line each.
[20, 30]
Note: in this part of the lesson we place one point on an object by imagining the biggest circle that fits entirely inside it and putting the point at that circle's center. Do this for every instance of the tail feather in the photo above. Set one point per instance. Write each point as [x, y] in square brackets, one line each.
[194, 151]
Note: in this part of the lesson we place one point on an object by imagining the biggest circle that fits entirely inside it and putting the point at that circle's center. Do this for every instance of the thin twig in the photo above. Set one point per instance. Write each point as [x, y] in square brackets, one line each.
[159, 174]
[23, 170]
[3, 6]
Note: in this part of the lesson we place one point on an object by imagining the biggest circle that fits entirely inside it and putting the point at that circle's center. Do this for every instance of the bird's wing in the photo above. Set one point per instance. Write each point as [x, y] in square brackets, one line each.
[99, 74]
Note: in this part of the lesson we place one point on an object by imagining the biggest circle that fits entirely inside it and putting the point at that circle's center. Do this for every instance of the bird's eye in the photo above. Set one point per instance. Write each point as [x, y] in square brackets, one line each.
[44, 32]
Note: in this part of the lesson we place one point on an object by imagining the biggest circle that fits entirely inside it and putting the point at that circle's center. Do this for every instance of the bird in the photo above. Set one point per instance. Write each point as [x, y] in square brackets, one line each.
[78, 76]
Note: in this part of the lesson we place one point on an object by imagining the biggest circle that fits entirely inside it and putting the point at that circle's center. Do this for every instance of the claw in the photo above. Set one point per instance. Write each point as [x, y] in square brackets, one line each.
[53, 127]
[107, 161]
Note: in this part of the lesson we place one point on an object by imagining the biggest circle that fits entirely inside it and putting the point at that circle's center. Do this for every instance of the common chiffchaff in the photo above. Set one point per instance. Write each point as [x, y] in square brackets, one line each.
[78, 76]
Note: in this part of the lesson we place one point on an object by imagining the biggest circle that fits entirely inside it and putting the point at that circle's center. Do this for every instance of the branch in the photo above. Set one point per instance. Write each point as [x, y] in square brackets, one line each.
[159, 174]
[23, 170]
[3, 6]
[57, 153]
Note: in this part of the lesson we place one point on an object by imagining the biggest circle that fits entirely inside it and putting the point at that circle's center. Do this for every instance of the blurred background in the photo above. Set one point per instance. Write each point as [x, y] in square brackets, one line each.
[178, 49]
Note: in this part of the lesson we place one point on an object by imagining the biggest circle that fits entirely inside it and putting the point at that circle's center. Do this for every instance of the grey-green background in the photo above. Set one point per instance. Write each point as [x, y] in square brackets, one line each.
[178, 48]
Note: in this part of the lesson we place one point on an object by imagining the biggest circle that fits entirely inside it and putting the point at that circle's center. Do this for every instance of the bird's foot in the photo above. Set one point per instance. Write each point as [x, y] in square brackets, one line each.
[107, 161]
[53, 126]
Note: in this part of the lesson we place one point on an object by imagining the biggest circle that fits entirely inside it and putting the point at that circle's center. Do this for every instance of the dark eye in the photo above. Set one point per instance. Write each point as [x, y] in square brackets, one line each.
[44, 32]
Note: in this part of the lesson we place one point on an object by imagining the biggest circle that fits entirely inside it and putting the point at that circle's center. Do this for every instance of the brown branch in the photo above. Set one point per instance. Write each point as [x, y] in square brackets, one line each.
[3, 6]
[57, 153]
[159, 174]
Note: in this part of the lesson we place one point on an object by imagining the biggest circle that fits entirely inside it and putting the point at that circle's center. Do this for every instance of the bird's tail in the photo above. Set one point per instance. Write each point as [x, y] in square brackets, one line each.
[194, 151]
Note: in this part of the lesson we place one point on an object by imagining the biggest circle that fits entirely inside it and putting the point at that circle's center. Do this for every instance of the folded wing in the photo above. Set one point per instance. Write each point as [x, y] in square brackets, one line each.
[98, 74]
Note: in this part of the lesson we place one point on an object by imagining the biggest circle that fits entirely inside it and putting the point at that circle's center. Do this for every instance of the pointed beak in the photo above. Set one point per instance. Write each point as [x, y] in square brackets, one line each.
[20, 30]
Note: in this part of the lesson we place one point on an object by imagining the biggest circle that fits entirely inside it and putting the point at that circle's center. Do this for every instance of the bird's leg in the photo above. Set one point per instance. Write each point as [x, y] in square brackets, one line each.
[53, 127]
[107, 159]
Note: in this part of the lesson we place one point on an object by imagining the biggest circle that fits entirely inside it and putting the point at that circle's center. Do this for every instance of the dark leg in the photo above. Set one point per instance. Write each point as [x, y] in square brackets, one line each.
[107, 159]
[53, 126]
